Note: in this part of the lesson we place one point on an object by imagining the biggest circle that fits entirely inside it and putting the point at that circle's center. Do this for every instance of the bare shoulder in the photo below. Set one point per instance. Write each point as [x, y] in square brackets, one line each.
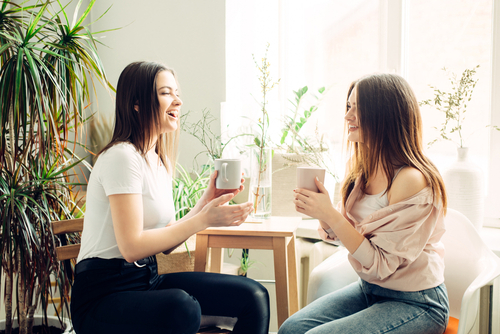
[408, 182]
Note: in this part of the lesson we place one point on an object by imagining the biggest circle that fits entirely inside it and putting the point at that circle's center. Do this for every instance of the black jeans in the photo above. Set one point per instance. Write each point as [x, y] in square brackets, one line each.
[113, 296]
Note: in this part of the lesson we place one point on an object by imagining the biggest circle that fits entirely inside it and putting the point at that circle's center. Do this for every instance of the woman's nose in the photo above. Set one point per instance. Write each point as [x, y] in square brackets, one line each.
[349, 116]
[178, 101]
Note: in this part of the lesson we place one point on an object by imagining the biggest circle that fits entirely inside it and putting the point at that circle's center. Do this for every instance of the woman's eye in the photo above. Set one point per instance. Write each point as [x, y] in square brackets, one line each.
[348, 107]
[165, 93]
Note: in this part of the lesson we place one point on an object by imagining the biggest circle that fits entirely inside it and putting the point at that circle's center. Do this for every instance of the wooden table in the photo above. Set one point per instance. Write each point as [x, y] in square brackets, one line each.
[275, 233]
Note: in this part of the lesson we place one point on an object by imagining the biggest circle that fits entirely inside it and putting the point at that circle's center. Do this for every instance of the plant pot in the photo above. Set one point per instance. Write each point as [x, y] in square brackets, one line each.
[284, 181]
[52, 321]
[260, 192]
[465, 188]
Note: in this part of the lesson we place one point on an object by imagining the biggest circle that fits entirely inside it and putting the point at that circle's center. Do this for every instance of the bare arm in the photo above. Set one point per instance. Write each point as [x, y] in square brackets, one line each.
[135, 243]
[319, 205]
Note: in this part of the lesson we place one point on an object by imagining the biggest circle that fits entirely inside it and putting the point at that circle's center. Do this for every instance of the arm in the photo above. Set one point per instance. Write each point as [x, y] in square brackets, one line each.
[208, 195]
[409, 182]
[135, 243]
[319, 206]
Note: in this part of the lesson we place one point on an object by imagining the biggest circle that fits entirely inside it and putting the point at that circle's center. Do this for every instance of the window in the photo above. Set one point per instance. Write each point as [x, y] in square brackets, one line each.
[330, 43]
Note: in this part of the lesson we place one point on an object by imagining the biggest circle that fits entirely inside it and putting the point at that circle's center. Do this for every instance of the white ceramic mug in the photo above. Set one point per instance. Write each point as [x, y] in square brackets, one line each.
[229, 173]
[306, 176]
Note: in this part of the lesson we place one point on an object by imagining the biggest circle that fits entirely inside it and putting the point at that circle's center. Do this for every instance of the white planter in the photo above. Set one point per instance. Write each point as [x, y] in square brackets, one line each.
[52, 321]
[284, 181]
[464, 185]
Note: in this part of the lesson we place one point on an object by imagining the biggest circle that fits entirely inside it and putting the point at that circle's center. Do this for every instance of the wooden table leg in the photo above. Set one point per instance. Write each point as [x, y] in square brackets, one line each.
[280, 276]
[216, 260]
[200, 253]
[293, 292]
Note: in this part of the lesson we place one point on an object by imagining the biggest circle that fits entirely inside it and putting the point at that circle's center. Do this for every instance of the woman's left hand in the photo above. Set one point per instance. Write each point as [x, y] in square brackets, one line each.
[212, 192]
[313, 204]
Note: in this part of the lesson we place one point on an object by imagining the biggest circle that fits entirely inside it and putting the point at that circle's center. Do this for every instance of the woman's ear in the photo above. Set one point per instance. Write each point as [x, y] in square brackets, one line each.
[136, 107]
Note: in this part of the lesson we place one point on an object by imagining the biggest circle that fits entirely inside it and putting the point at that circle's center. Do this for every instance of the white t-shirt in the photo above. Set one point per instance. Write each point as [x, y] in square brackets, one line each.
[122, 170]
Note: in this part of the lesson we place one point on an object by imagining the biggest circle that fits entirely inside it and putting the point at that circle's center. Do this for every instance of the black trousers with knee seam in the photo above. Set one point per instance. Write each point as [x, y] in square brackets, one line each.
[130, 299]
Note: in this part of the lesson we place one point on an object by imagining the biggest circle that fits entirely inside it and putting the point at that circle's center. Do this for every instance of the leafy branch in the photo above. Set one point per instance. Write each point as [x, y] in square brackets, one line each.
[453, 104]
[292, 125]
[260, 140]
[202, 130]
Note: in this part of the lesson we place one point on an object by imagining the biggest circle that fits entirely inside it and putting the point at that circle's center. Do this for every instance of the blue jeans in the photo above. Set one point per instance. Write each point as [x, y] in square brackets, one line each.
[362, 307]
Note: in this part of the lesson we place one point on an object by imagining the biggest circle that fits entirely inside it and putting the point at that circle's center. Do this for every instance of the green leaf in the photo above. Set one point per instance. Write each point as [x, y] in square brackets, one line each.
[256, 140]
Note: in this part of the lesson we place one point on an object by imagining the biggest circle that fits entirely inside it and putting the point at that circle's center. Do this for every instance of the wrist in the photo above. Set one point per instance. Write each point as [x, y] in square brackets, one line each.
[201, 221]
[334, 220]
[201, 203]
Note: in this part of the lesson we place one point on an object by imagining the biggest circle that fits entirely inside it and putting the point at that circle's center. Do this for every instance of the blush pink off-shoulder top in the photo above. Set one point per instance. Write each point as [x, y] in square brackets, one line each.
[402, 249]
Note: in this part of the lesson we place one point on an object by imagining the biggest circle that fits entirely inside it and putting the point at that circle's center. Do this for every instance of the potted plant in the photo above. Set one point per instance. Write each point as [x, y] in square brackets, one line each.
[45, 65]
[260, 192]
[297, 150]
[464, 179]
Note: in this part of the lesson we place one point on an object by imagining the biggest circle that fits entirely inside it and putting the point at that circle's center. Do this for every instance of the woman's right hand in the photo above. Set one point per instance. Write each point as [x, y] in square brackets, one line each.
[216, 214]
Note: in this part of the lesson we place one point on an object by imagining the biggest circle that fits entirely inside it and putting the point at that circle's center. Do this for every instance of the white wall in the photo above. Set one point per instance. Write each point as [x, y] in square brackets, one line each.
[186, 35]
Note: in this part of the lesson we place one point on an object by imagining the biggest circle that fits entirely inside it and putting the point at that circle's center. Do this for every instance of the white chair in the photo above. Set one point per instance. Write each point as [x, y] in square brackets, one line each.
[470, 265]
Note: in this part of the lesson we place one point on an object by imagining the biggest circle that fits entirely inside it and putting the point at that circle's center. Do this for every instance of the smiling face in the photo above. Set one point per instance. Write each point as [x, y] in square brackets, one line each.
[352, 119]
[169, 101]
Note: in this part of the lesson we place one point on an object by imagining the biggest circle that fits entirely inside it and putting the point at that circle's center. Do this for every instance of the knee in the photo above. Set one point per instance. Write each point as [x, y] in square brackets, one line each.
[257, 295]
[290, 326]
[187, 313]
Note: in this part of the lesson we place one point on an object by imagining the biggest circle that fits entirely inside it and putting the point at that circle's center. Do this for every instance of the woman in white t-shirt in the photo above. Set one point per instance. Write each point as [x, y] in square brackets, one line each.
[130, 218]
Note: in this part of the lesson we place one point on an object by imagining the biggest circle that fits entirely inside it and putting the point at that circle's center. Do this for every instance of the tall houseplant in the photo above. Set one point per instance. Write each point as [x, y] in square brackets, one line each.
[261, 156]
[47, 62]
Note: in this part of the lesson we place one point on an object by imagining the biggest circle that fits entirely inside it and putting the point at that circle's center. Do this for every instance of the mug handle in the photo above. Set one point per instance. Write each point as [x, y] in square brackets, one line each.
[224, 172]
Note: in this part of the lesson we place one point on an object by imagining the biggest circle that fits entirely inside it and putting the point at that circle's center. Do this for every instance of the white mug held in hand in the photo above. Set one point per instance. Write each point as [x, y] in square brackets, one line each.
[228, 173]
[306, 176]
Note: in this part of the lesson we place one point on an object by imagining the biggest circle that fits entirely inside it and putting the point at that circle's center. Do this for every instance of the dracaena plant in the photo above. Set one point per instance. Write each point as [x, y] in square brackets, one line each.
[47, 68]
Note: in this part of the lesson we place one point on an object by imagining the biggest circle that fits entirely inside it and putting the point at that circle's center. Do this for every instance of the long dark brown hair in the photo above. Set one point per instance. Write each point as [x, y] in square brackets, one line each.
[137, 87]
[391, 130]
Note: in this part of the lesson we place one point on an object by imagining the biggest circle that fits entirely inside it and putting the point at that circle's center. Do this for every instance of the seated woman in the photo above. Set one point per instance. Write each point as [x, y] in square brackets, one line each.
[130, 218]
[390, 220]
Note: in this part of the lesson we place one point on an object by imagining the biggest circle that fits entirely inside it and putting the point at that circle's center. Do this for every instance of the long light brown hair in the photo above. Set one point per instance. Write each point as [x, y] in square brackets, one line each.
[137, 87]
[391, 130]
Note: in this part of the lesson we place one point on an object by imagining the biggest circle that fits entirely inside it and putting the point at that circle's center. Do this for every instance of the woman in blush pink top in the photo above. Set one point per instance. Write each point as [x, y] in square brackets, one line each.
[390, 220]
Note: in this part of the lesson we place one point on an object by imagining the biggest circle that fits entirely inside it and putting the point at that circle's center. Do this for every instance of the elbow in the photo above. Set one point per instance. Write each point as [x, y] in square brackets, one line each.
[130, 255]
[130, 258]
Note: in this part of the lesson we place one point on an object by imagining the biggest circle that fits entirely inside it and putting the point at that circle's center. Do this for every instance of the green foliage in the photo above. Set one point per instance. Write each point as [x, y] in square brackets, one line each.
[311, 150]
[48, 65]
[294, 125]
[202, 130]
[245, 263]
[261, 140]
[187, 190]
[266, 85]
[453, 104]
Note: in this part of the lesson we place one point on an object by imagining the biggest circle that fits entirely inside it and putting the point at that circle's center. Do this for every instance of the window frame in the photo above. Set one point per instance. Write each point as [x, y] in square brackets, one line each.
[394, 59]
